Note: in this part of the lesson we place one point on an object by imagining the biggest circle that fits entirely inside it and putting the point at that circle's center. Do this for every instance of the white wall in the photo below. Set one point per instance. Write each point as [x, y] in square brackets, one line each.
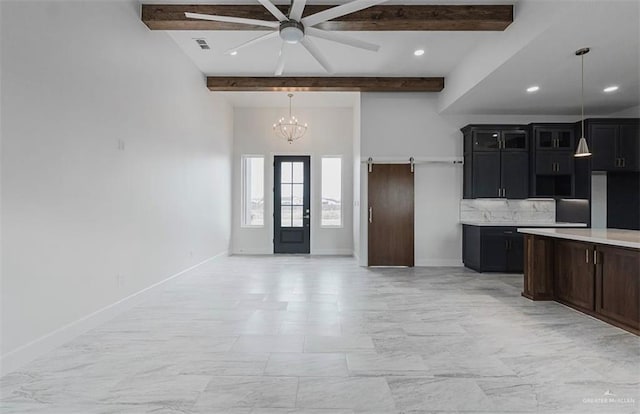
[330, 133]
[402, 125]
[116, 163]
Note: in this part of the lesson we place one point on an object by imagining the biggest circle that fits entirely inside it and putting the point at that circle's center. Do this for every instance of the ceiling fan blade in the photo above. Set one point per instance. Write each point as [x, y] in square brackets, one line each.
[281, 59]
[229, 19]
[339, 11]
[252, 41]
[274, 10]
[296, 9]
[313, 50]
[340, 38]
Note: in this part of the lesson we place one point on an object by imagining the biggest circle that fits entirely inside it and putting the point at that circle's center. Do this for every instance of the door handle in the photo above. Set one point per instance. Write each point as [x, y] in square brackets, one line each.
[595, 257]
[586, 255]
[370, 214]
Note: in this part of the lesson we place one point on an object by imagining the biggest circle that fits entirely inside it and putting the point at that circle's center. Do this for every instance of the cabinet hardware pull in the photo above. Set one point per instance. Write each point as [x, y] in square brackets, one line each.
[586, 255]
[499, 192]
[595, 257]
[370, 214]
[624, 162]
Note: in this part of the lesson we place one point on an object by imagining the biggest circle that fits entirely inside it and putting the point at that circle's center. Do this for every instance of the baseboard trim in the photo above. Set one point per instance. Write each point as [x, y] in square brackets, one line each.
[438, 263]
[26, 353]
[332, 252]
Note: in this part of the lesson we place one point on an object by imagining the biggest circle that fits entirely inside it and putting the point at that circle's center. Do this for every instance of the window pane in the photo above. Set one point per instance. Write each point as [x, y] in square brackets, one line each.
[285, 194]
[297, 216]
[285, 172]
[298, 172]
[285, 216]
[331, 191]
[253, 197]
[298, 194]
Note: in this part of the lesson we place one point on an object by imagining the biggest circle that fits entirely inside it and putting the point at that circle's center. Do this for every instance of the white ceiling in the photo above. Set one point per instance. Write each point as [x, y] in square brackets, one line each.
[300, 99]
[543, 56]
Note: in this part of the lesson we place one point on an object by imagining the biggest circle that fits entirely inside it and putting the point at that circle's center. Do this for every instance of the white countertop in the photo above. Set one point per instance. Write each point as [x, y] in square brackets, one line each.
[613, 237]
[521, 224]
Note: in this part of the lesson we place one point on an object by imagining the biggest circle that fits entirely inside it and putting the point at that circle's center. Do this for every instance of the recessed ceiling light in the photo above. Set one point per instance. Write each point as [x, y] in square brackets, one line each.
[419, 52]
[610, 88]
[532, 89]
[235, 52]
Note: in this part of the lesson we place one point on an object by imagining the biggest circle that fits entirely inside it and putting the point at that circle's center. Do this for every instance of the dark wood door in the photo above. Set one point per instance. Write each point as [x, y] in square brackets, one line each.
[618, 285]
[574, 274]
[486, 175]
[515, 174]
[628, 148]
[602, 145]
[291, 204]
[391, 215]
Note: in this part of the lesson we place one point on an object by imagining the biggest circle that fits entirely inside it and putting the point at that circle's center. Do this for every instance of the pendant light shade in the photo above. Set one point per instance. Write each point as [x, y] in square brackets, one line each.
[583, 148]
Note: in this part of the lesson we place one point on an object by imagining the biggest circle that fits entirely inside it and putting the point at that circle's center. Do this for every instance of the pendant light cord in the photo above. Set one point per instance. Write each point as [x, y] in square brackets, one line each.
[582, 89]
[291, 96]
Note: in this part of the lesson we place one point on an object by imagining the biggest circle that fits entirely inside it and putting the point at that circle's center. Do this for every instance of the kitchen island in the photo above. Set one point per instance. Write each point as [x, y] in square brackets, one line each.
[595, 271]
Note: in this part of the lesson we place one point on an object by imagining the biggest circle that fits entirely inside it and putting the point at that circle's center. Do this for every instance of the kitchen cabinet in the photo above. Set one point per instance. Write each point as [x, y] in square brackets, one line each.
[602, 280]
[554, 137]
[554, 163]
[575, 274]
[496, 161]
[618, 285]
[493, 249]
[615, 144]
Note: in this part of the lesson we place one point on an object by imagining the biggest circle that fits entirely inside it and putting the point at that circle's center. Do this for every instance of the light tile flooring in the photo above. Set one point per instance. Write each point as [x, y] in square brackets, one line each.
[322, 335]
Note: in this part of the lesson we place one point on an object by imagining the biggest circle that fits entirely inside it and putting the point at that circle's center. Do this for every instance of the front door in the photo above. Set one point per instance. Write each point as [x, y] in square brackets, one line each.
[391, 216]
[291, 209]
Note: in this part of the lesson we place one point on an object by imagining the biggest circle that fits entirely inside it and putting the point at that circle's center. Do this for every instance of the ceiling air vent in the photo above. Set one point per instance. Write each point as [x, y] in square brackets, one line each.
[203, 44]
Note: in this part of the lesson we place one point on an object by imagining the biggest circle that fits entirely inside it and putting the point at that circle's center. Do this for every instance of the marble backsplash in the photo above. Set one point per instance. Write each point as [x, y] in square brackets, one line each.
[537, 210]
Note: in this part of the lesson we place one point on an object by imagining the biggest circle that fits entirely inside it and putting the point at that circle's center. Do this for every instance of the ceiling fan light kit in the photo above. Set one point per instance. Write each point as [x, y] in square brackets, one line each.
[295, 29]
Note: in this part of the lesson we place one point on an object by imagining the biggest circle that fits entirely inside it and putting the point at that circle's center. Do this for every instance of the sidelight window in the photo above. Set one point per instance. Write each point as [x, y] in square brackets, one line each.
[331, 192]
[252, 191]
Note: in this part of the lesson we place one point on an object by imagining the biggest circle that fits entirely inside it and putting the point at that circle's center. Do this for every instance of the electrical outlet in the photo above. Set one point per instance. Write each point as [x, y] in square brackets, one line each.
[120, 280]
[191, 254]
[121, 145]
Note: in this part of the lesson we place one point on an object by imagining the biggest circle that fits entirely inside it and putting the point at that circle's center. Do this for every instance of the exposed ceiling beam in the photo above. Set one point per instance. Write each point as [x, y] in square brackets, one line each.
[377, 18]
[324, 84]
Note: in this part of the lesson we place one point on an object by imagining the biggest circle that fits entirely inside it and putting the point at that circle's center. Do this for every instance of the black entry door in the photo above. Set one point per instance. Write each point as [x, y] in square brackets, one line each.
[291, 204]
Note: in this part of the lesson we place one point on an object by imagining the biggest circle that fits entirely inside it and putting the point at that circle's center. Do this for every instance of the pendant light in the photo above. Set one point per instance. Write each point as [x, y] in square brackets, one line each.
[583, 148]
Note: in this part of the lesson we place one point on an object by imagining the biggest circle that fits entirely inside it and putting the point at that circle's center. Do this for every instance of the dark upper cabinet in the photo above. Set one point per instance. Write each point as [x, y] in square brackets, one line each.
[615, 144]
[496, 161]
[554, 163]
[514, 174]
[559, 137]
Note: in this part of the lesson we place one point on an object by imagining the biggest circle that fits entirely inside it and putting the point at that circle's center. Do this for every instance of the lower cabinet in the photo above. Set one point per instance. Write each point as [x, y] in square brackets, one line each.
[575, 274]
[601, 280]
[493, 249]
[618, 285]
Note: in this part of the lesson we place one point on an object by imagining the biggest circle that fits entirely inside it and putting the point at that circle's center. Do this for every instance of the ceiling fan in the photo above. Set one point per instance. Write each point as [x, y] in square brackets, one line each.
[294, 29]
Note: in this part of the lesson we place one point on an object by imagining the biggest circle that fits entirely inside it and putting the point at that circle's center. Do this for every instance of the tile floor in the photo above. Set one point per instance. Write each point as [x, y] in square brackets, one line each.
[322, 335]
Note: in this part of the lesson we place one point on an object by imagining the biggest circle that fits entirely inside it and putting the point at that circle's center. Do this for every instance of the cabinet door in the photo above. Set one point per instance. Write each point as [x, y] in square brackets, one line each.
[515, 174]
[486, 140]
[515, 252]
[493, 251]
[574, 274]
[565, 139]
[486, 174]
[603, 146]
[538, 271]
[628, 147]
[554, 163]
[618, 285]
[515, 140]
[545, 138]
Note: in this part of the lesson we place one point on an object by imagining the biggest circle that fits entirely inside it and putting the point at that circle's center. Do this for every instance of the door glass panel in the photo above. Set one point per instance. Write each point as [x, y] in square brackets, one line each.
[297, 216]
[285, 216]
[514, 139]
[564, 139]
[485, 140]
[285, 174]
[285, 194]
[298, 194]
[298, 172]
[545, 139]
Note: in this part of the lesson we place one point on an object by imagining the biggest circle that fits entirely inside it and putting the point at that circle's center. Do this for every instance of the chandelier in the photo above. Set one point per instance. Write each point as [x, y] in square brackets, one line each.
[290, 129]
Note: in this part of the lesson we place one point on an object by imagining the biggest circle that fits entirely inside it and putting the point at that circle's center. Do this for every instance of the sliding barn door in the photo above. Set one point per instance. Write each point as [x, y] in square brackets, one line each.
[391, 215]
